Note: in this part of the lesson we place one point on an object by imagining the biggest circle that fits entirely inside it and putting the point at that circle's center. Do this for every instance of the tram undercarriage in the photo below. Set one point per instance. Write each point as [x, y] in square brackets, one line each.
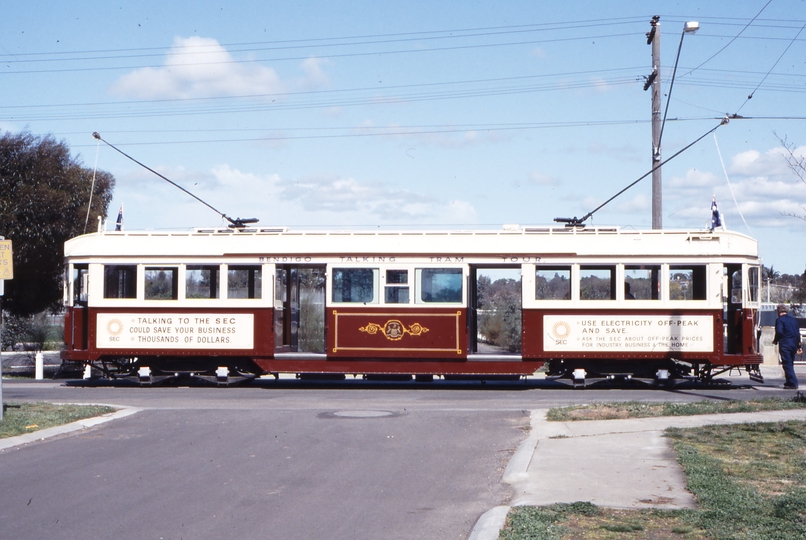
[216, 371]
[579, 373]
[664, 373]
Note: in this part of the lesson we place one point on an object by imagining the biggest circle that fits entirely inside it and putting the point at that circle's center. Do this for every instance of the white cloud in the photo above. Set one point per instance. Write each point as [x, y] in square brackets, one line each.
[197, 67]
[151, 202]
[693, 180]
[372, 203]
[754, 163]
[314, 75]
[760, 190]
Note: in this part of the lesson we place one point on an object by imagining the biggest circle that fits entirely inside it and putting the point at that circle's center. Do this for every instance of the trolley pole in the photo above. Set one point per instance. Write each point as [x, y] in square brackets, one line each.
[653, 38]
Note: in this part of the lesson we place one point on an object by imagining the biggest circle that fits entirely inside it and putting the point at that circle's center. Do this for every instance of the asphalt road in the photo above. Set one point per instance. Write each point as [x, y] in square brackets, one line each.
[283, 459]
[246, 463]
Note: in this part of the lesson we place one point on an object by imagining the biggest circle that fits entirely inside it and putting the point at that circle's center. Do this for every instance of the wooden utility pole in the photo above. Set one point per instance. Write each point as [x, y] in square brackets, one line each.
[653, 38]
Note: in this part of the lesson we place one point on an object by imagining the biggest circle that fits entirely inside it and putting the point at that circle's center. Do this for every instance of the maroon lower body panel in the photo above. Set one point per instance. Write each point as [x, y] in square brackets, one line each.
[166, 332]
[404, 333]
[692, 336]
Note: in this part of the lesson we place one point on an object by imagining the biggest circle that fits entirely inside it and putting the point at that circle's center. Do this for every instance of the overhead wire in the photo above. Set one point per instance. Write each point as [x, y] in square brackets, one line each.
[417, 50]
[733, 39]
[749, 97]
[322, 42]
[580, 221]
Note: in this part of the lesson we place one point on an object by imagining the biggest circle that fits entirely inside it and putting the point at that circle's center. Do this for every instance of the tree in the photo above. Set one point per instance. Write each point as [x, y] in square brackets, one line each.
[796, 164]
[800, 289]
[770, 274]
[44, 193]
[499, 312]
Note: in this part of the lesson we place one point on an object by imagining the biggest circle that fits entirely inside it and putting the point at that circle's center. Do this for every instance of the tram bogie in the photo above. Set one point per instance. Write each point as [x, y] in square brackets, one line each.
[587, 303]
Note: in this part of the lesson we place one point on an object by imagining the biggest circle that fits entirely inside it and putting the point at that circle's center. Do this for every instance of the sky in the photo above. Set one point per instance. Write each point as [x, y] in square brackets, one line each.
[421, 114]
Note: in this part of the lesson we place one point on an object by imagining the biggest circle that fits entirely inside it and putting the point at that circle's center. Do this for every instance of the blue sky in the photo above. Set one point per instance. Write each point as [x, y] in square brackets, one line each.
[420, 113]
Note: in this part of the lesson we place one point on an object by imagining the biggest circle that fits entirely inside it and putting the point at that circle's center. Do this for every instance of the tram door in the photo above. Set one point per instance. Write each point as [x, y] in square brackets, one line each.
[494, 314]
[299, 309]
[79, 318]
[734, 312]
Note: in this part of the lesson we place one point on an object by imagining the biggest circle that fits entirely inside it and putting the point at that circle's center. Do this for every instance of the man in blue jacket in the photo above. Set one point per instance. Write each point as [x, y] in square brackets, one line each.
[787, 337]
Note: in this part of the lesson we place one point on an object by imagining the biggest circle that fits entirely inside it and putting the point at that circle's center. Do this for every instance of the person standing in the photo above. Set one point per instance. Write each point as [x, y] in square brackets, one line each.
[787, 337]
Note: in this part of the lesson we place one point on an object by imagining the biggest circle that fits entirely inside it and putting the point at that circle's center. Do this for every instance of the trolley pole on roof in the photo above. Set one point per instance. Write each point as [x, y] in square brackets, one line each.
[653, 38]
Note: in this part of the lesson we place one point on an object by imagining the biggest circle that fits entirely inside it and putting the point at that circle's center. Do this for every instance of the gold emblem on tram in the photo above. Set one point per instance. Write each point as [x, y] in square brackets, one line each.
[394, 330]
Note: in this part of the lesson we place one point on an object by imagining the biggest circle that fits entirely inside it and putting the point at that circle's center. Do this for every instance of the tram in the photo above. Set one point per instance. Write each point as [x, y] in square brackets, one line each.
[584, 303]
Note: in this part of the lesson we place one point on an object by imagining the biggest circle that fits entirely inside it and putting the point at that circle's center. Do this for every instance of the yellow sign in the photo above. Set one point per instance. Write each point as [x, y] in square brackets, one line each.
[6, 260]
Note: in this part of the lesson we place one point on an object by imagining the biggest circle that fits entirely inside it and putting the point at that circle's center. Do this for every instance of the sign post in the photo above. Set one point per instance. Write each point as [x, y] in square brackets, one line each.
[6, 260]
[6, 272]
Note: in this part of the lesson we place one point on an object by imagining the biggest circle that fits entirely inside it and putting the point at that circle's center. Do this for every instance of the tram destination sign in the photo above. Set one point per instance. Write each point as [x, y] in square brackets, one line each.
[628, 333]
[206, 331]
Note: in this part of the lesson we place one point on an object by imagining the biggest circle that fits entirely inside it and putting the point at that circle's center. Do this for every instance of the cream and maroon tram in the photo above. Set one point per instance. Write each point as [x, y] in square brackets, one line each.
[588, 303]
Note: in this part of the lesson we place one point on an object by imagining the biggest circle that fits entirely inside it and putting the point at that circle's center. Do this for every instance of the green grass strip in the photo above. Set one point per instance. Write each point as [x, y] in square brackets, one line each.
[21, 418]
[638, 409]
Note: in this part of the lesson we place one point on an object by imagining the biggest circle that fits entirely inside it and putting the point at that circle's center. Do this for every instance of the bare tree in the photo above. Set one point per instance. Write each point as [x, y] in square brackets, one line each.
[797, 164]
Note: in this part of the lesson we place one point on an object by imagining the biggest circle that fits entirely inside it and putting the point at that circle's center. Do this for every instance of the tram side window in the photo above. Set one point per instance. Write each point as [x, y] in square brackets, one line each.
[641, 282]
[80, 285]
[687, 282]
[120, 281]
[753, 283]
[597, 283]
[354, 284]
[161, 283]
[440, 285]
[397, 287]
[201, 281]
[244, 282]
[736, 287]
[553, 283]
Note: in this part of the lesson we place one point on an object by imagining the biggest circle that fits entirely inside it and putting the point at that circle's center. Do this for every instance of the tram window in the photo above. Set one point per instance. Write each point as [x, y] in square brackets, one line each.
[161, 283]
[440, 284]
[597, 283]
[736, 287]
[397, 287]
[201, 281]
[553, 283]
[120, 281]
[753, 282]
[354, 284]
[687, 282]
[80, 285]
[641, 282]
[244, 282]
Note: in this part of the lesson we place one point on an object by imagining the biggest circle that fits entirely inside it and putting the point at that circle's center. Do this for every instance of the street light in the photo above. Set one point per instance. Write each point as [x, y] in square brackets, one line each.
[689, 28]
[653, 38]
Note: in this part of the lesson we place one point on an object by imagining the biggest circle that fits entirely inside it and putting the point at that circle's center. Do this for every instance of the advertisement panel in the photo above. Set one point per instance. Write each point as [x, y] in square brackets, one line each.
[207, 331]
[628, 333]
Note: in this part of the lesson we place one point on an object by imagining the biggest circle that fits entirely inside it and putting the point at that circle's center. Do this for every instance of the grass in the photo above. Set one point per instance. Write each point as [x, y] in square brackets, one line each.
[636, 409]
[586, 520]
[749, 481]
[21, 418]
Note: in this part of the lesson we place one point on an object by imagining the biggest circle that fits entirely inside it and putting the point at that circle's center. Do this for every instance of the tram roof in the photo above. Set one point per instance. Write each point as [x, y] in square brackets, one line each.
[510, 240]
